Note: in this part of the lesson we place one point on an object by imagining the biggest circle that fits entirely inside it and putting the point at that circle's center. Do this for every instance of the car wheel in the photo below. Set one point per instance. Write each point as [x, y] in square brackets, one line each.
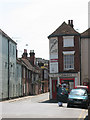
[86, 106]
[68, 105]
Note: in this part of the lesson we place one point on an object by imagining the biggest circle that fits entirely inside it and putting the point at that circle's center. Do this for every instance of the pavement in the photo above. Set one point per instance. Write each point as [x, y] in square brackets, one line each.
[23, 98]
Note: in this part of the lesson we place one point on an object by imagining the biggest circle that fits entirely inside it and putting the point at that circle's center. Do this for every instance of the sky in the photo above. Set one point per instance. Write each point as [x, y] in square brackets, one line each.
[30, 22]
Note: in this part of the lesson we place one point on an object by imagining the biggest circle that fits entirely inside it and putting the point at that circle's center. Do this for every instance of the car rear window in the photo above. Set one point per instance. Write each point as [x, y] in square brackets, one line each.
[80, 92]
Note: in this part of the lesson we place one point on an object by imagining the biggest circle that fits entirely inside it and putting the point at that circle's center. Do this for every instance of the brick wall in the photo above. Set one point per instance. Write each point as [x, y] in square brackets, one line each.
[75, 48]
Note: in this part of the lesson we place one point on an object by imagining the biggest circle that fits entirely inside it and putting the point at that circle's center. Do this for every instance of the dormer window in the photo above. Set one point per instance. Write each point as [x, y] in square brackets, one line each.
[68, 41]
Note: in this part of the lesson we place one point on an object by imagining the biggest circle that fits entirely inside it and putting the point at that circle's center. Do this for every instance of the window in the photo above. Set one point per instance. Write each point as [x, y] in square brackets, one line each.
[54, 67]
[68, 61]
[29, 75]
[68, 41]
[23, 72]
[10, 48]
[6, 64]
[13, 50]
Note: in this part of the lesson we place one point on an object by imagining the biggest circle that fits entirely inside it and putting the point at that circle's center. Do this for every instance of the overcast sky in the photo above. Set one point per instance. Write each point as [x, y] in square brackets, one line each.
[32, 21]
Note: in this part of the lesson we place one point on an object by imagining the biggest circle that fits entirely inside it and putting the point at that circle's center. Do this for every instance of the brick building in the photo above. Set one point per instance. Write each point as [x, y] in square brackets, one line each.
[31, 74]
[64, 49]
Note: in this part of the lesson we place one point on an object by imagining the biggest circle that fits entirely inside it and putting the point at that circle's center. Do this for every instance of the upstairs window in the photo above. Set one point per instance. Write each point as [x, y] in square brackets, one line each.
[13, 50]
[68, 41]
[68, 60]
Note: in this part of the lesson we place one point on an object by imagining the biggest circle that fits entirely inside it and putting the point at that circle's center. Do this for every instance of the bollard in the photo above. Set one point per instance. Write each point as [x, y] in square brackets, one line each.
[89, 112]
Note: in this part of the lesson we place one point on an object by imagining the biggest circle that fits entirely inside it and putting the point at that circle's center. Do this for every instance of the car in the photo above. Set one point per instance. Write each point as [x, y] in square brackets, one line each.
[78, 97]
[62, 95]
[82, 87]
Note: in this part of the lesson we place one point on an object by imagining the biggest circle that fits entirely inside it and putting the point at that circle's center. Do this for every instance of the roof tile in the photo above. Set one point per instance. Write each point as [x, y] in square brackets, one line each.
[64, 29]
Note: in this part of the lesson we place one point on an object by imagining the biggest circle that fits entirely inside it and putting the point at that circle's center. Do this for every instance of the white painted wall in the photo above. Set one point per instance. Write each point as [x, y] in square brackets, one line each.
[12, 69]
[89, 14]
[4, 67]
[53, 54]
[0, 66]
[18, 78]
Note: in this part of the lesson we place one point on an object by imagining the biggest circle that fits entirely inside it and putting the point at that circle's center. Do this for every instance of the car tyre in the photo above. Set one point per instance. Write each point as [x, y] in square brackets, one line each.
[68, 105]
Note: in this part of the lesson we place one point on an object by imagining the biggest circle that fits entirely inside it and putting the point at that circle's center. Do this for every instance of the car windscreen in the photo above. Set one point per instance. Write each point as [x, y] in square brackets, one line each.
[79, 92]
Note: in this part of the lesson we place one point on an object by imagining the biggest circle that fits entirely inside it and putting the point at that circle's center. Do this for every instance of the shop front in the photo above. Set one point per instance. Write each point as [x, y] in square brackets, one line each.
[69, 80]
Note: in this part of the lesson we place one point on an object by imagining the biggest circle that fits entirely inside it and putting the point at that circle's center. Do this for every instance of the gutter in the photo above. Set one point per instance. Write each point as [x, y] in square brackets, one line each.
[57, 35]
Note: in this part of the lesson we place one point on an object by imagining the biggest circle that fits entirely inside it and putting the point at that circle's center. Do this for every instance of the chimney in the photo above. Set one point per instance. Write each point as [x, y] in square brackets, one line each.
[32, 57]
[25, 54]
[70, 22]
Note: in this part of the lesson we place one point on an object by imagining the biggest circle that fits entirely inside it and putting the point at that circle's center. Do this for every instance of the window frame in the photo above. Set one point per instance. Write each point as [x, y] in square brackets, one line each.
[68, 60]
[66, 39]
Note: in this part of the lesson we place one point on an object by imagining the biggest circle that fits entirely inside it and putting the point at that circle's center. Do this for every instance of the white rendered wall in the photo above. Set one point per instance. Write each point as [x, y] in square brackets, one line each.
[0, 66]
[89, 14]
[12, 70]
[4, 67]
[19, 78]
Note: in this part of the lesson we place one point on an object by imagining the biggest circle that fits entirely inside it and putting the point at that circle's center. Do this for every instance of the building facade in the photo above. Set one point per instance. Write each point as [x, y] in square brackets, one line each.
[85, 58]
[44, 65]
[64, 50]
[19, 92]
[7, 67]
[31, 74]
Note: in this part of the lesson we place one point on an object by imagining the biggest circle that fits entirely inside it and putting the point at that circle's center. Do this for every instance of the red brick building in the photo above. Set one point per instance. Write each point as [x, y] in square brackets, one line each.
[31, 74]
[64, 49]
[34, 77]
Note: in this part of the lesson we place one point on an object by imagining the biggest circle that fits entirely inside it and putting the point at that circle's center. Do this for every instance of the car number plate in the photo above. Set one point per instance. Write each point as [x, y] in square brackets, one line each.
[77, 102]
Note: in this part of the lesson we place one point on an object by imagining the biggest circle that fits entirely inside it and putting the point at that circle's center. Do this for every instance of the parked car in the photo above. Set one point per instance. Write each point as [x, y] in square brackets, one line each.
[62, 95]
[78, 97]
[82, 87]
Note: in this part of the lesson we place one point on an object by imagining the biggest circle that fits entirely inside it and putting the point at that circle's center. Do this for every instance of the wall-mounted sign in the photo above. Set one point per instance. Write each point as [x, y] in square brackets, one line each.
[53, 55]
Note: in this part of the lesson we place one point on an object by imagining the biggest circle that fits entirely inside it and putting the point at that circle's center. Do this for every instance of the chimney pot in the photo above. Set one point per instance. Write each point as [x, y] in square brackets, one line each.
[72, 23]
[25, 54]
[32, 57]
[25, 50]
[68, 22]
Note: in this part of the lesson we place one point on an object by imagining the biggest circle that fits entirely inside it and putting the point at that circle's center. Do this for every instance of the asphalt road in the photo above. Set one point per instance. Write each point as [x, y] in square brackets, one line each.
[39, 107]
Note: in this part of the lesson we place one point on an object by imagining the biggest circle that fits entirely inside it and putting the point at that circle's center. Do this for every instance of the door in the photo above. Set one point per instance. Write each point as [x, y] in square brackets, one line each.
[54, 89]
[70, 83]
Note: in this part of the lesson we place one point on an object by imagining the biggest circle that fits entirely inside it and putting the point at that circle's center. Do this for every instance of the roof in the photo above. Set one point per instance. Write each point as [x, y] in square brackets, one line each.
[18, 61]
[4, 34]
[86, 34]
[29, 66]
[64, 30]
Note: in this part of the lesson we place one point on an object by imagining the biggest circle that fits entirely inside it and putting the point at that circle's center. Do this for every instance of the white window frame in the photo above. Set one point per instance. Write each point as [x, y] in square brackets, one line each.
[68, 41]
[68, 64]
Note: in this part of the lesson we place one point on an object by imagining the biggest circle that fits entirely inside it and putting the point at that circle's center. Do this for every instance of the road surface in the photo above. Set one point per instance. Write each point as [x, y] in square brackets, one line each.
[39, 107]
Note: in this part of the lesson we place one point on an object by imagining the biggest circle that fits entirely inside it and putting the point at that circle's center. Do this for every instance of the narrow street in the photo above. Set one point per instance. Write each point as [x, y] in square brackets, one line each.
[39, 107]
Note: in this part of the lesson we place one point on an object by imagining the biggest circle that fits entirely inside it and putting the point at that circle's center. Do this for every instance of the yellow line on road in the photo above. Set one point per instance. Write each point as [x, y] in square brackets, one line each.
[82, 115]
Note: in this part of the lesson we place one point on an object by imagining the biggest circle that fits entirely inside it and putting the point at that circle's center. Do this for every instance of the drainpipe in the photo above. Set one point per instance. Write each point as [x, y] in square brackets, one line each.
[80, 60]
[8, 69]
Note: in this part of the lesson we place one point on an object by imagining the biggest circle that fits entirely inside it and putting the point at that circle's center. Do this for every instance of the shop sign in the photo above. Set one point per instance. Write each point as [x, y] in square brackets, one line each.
[68, 75]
